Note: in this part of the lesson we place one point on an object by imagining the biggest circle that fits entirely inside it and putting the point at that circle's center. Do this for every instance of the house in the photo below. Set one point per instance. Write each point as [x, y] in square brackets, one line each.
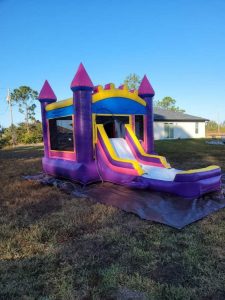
[177, 125]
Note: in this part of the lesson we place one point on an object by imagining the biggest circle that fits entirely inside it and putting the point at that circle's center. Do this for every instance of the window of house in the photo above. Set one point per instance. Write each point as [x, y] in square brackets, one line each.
[139, 127]
[196, 127]
[61, 134]
[169, 130]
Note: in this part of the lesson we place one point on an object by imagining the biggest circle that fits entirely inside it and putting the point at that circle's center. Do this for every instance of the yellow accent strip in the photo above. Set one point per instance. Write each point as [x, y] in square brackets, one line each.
[61, 151]
[101, 95]
[94, 129]
[112, 153]
[59, 104]
[112, 86]
[210, 168]
[113, 115]
[141, 150]
[130, 120]
[100, 88]
[125, 87]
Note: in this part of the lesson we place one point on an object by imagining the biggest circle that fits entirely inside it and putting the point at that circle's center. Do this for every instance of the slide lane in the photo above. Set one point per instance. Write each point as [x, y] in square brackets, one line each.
[124, 161]
[160, 161]
[112, 160]
[139, 152]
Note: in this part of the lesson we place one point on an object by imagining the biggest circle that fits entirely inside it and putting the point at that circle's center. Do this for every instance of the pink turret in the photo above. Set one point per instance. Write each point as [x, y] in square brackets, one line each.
[81, 79]
[147, 93]
[145, 88]
[46, 97]
[82, 88]
[46, 93]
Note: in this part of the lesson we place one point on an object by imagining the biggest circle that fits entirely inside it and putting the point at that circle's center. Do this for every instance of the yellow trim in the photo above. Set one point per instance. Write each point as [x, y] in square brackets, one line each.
[125, 87]
[103, 94]
[120, 115]
[210, 168]
[125, 115]
[61, 151]
[141, 150]
[112, 86]
[59, 104]
[112, 153]
[95, 124]
[94, 129]
[130, 120]
[100, 88]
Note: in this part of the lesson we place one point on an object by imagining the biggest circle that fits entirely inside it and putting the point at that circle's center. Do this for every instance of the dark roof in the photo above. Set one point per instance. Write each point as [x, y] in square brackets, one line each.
[169, 115]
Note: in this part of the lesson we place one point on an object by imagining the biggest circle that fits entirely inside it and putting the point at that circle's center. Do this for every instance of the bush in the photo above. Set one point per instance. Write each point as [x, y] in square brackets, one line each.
[21, 135]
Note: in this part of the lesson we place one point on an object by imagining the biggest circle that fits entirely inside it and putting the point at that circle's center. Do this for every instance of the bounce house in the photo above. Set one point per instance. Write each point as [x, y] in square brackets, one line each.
[106, 134]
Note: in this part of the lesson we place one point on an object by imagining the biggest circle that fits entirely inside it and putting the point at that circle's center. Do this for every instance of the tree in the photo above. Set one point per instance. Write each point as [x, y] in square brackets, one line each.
[23, 137]
[31, 137]
[24, 96]
[168, 103]
[212, 126]
[132, 81]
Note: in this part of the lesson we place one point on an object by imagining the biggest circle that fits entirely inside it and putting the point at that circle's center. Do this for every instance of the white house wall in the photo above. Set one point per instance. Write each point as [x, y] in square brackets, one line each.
[182, 130]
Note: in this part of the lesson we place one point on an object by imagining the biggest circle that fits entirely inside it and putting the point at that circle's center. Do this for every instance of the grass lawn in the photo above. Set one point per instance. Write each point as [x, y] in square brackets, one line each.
[55, 246]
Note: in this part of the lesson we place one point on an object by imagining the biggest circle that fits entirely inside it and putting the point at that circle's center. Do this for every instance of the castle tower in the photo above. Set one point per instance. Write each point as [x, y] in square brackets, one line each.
[82, 88]
[45, 97]
[147, 93]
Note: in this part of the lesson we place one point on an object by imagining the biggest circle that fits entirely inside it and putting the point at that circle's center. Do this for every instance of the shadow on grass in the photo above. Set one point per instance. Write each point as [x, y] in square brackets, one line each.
[21, 152]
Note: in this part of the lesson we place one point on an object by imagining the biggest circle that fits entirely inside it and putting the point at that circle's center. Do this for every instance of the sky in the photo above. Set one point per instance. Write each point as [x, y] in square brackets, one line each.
[178, 44]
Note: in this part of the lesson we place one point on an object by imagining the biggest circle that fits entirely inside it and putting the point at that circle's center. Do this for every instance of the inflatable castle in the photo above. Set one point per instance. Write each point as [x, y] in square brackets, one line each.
[106, 134]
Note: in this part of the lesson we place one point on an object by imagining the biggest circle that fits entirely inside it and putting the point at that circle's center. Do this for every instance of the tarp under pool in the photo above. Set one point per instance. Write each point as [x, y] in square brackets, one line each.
[154, 206]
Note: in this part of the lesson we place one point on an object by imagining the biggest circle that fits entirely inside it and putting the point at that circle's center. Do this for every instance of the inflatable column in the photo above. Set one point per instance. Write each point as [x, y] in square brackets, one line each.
[45, 97]
[82, 88]
[147, 93]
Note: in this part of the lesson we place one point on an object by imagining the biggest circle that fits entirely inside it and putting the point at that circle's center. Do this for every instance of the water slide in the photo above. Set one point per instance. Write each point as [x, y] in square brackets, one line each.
[124, 161]
[123, 150]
